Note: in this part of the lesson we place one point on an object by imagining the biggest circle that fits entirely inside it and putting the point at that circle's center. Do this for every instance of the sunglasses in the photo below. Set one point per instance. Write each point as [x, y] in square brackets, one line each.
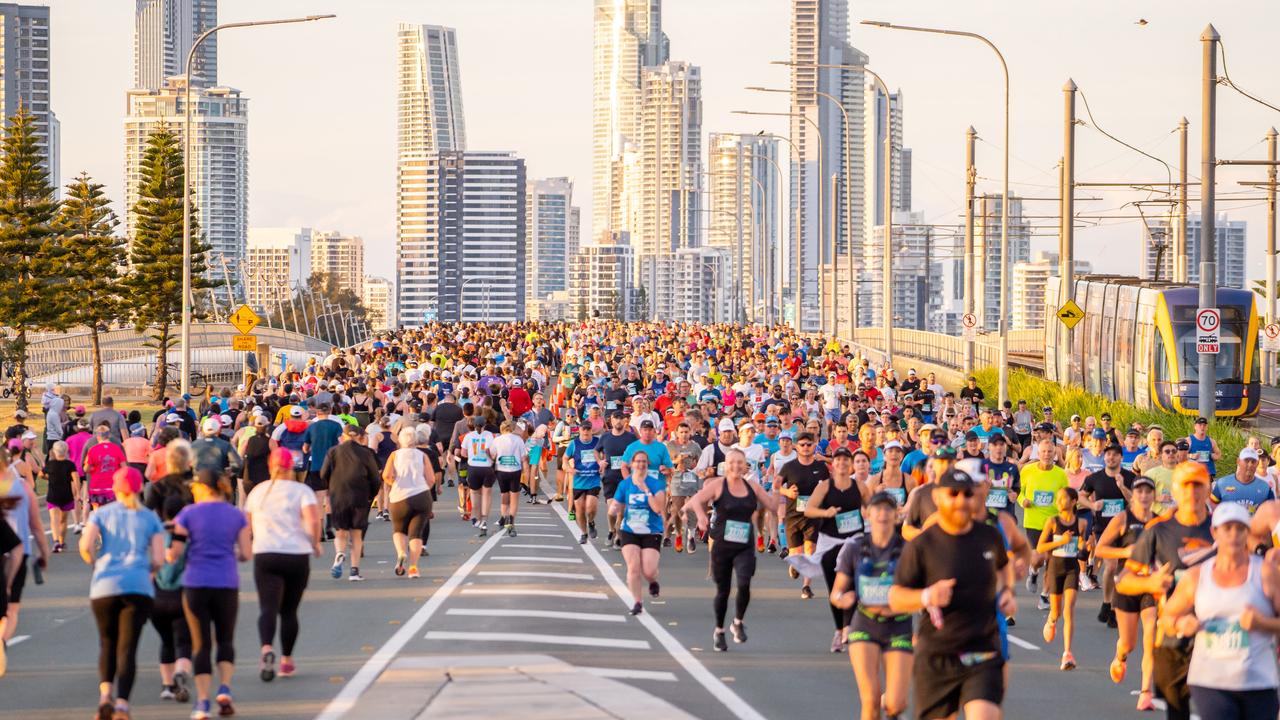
[957, 493]
[1168, 451]
[804, 443]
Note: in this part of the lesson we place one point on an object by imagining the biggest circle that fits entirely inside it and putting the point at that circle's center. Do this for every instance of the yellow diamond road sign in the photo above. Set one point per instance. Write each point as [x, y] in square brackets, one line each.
[244, 319]
[1070, 314]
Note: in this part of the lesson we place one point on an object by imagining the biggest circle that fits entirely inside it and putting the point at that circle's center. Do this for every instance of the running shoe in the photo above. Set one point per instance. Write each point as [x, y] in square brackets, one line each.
[582, 540]
[335, 572]
[1050, 630]
[1033, 578]
[806, 593]
[484, 529]
[225, 702]
[1111, 620]
[355, 574]
[57, 547]
[1043, 603]
[511, 529]
[1144, 701]
[502, 521]
[287, 669]
[1010, 621]
[654, 588]
[666, 541]
[611, 536]
[739, 632]
[591, 530]
[267, 667]
[837, 642]
[121, 712]
[782, 555]
[1087, 584]
[793, 572]
[105, 709]
[1118, 668]
[182, 684]
[773, 547]
[691, 543]
[717, 639]
[572, 516]
[560, 498]
[617, 541]
[1068, 662]
[413, 572]
[450, 482]
[533, 500]
[166, 692]
[759, 543]
[1104, 612]
[637, 609]
[679, 543]
[201, 710]
[328, 535]
[400, 565]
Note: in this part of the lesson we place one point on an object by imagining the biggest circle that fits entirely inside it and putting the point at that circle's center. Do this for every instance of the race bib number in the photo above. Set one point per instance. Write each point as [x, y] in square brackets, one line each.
[611, 405]
[874, 591]
[1223, 639]
[736, 531]
[615, 462]
[1112, 508]
[802, 502]
[848, 522]
[998, 498]
[638, 517]
[1070, 550]
[508, 463]
[898, 494]
[1042, 498]
[589, 460]
[1203, 455]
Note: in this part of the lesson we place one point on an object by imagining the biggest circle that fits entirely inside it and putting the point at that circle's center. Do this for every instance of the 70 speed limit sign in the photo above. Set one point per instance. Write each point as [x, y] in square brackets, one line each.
[1208, 326]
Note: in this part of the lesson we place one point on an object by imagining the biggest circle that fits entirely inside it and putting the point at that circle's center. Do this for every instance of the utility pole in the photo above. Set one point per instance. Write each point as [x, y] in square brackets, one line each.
[1067, 239]
[1180, 232]
[970, 179]
[1268, 368]
[1207, 377]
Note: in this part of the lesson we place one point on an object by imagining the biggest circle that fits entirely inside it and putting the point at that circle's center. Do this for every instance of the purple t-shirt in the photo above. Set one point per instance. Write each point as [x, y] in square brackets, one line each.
[212, 529]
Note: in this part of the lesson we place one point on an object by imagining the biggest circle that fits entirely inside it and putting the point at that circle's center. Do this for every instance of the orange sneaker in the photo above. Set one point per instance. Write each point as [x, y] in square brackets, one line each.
[679, 543]
[413, 571]
[1118, 667]
[759, 543]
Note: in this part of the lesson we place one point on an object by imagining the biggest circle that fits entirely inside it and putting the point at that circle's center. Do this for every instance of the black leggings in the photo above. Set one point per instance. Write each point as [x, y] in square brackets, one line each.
[281, 579]
[412, 516]
[169, 620]
[727, 558]
[120, 621]
[216, 607]
[841, 616]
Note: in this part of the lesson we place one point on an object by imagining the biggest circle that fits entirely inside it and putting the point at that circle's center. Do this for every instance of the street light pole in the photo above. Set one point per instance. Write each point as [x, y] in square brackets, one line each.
[1268, 370]
[1004, 202]
[1066, 249]
[1206, 376]
[970, 179]
[1180, 233]
[188, 186]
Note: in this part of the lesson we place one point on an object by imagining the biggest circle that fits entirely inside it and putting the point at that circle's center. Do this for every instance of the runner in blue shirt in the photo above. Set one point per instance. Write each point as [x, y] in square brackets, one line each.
[659, 456]
[1243, 486]
[583, 458]
[640, 502]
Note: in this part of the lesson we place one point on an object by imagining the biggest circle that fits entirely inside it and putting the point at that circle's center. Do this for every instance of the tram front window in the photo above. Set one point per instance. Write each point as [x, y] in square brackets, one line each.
[1226, 363]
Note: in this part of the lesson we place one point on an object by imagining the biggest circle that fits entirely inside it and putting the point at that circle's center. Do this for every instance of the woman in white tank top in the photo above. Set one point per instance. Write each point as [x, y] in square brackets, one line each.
[1230, 605]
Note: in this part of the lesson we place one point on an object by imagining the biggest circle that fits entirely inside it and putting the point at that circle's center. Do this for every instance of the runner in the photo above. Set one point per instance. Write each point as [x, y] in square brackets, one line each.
[1116, 543]
[1060, 540]
[284, 517]
[735, 499]
[350, 471]
[512, 460]
[123, 543]
[800, 478]
[878, 638]
[1243, 486]
[1040, 485]
[411, 480]
[321, 436]
[836, 505]
[613, 445]
[582, 461]
[63, 487]
[476, 447]
[1105, 493]
[685, 483]
[642, 497]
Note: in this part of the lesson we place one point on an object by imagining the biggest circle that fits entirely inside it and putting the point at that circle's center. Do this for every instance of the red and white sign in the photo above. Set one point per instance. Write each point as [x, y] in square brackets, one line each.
[969, 320]
[1208, 324]
[1271, 338]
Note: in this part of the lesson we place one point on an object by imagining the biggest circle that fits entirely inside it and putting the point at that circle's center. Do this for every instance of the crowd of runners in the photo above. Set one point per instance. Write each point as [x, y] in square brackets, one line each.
[923, 510]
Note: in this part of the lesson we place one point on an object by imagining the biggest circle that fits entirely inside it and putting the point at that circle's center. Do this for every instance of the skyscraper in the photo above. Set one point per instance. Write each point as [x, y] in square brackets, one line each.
[627, 38]
[986, 245]
[219, 168]
[600, 279]
[552, 238]
[670, 160]
[874, 156]
[24, 74]
[164, 31]
[277, 263]
[820, 36]
[378, 294]
[341, 257]
[742, 195]
[1157, 261]
[466, 265]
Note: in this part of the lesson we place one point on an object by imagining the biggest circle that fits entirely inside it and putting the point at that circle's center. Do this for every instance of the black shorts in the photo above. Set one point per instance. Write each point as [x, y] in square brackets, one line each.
[19, 582]
[800, 530]
[315, 482]
[1063, 574]
[892, 633]
[478, 477]
[412, 516]
[576, 493]
[648, 541]
[351, 518]
[509, 482]
[944, 684]
[609, 487]
[1033, 537]
[1132, 603]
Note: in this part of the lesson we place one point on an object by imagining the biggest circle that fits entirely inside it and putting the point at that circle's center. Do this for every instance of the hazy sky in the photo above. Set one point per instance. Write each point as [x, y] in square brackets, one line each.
[322, 96]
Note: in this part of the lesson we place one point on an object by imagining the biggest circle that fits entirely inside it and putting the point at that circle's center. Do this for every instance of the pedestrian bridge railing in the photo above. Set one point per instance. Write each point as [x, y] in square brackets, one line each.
[947, 350]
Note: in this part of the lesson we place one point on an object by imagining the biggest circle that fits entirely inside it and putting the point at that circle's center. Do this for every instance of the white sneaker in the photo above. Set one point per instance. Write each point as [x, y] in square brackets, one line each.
[1087, 584]
[1032, 577]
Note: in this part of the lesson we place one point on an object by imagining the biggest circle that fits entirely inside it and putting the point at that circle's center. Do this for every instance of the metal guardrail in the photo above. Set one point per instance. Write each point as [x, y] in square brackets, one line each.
[946, 350]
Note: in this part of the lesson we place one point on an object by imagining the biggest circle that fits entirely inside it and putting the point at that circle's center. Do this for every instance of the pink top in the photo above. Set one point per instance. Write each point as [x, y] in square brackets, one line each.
[101, 463]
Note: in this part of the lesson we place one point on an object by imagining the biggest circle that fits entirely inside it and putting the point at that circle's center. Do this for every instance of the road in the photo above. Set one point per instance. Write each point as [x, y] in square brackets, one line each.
[537, 593]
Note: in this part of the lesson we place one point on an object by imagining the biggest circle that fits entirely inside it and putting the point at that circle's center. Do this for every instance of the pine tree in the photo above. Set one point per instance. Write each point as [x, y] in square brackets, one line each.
[29, 248]
[95, 258]
[154, 282]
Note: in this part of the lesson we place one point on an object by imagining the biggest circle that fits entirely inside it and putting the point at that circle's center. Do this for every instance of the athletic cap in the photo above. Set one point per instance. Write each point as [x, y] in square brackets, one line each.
[1144, 480]
[725, 425]
[295, 411]
[1190, 471]
[842, 452]
[1248, 454]
[954, 479]
[1098, 434]
[997, 437]
[893, 445]
[946, 452]
[132, 478]
[1202, 420]
[971, 435]
[1229, 512]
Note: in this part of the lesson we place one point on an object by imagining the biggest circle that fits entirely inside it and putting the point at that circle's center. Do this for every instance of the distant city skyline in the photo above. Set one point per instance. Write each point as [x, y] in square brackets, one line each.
[324, 159]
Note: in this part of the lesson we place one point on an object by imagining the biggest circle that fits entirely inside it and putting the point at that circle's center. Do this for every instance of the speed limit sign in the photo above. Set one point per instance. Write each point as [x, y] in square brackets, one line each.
[1208, 326]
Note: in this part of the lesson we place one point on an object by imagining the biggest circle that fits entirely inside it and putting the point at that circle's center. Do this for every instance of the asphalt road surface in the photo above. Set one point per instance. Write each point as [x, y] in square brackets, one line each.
[542, 593]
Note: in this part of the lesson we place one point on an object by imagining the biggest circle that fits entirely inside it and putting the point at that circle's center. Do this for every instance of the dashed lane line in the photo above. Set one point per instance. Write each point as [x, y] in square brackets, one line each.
[538, 638]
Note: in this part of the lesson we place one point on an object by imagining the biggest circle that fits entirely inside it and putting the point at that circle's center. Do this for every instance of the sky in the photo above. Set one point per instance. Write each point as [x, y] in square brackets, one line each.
[323, 103]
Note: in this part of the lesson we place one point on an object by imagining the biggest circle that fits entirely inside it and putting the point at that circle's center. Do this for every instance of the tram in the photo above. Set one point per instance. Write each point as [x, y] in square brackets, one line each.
[1137, 344]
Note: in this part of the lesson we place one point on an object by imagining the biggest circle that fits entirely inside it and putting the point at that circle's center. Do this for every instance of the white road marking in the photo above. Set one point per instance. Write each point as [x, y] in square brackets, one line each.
[367, 674]
[529, 524]
[18, 638]
[537, 546]
[625, 674]
[574, 594]
[539, 638]
[736, 705]
[536, 559]
[529, 535]
[548, 614]
[529, 573]
[1022, 643]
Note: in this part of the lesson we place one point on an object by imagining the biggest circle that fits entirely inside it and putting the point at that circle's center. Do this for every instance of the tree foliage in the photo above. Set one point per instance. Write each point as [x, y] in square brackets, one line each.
[321, 308]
